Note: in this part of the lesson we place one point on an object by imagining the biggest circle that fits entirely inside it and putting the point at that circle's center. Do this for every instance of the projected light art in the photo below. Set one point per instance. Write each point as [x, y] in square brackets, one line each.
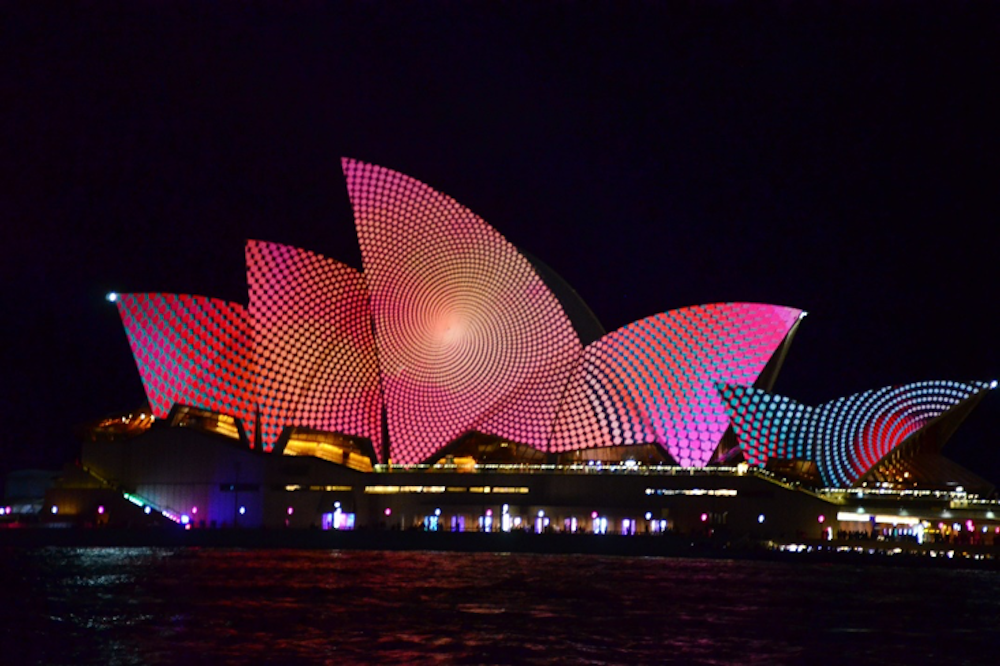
[450, 330]
[469, 336]
[190, 350]
[845, 437]
[654, 380]
[313, 346]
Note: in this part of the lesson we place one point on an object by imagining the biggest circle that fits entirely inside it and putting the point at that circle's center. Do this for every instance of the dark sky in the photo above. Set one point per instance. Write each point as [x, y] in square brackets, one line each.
[841, 157]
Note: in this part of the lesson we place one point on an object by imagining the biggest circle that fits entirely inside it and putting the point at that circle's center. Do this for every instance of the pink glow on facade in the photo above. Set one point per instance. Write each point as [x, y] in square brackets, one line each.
[190, 350]
[312, 344]
[654, 380]
[449, 330]
[469, 337]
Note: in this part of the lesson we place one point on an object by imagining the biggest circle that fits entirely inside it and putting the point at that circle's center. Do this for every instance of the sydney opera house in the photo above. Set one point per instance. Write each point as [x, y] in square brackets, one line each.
[459, 384]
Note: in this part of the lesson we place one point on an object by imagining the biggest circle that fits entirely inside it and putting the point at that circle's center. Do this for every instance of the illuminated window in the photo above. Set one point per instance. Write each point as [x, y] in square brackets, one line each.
[328, 446]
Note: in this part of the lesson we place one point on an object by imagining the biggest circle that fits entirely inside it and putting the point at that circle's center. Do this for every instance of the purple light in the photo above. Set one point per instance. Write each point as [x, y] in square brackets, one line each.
[100, 510]
[704, 517]
[593, 514]
[822, 519]
[194, 510]
[489, 512]
[388, 511]
[290, 511]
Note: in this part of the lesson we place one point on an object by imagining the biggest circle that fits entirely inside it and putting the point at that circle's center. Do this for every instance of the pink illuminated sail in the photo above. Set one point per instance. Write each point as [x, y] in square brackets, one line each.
[469, 336]
[653, 381]
[190, 350]
[313, 345]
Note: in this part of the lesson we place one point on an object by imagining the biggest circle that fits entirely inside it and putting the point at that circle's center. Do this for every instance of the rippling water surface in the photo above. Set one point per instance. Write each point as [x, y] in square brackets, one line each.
[165, 606]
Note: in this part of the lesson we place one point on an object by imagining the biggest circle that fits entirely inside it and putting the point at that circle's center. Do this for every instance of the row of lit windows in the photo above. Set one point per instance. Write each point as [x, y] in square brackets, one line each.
[393, 490]
[696, 492]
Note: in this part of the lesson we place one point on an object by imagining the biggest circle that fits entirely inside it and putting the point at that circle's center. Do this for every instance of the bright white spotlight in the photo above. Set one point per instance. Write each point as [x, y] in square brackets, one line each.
[111, 297]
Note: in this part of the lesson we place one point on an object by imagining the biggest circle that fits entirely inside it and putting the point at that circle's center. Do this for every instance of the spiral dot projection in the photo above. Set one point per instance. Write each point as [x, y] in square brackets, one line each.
[469, 337]
[654, 380]
[190, 350]
[846, 437]
[313, 344]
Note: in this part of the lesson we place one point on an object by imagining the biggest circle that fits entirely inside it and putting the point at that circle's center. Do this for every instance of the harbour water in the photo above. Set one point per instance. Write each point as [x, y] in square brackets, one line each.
[230, 606]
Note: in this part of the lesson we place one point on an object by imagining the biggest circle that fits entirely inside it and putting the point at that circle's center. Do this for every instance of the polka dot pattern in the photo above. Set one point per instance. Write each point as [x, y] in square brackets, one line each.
[190, 350]
[846, 437]
[653, 381]
[313, 345]
[469, 337]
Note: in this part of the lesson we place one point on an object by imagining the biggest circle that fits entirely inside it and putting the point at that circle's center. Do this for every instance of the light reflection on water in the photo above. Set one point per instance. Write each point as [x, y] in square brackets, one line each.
[165, 606]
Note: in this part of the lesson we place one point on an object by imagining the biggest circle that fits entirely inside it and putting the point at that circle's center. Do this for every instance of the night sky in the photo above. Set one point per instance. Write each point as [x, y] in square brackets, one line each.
[840, 157]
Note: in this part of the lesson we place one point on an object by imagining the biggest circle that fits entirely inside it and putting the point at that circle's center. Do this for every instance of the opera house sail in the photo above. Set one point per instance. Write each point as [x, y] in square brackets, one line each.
[848, 438]
[469, 336]
[193, 351]
[654, 380]
[313, 350]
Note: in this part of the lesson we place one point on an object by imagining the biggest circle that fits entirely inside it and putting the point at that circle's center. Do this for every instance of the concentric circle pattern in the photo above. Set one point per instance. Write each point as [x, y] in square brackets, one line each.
[190, 350]
[845, 437]
[313, 345]
[469, 337]
[654, 380]
[449, 330]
